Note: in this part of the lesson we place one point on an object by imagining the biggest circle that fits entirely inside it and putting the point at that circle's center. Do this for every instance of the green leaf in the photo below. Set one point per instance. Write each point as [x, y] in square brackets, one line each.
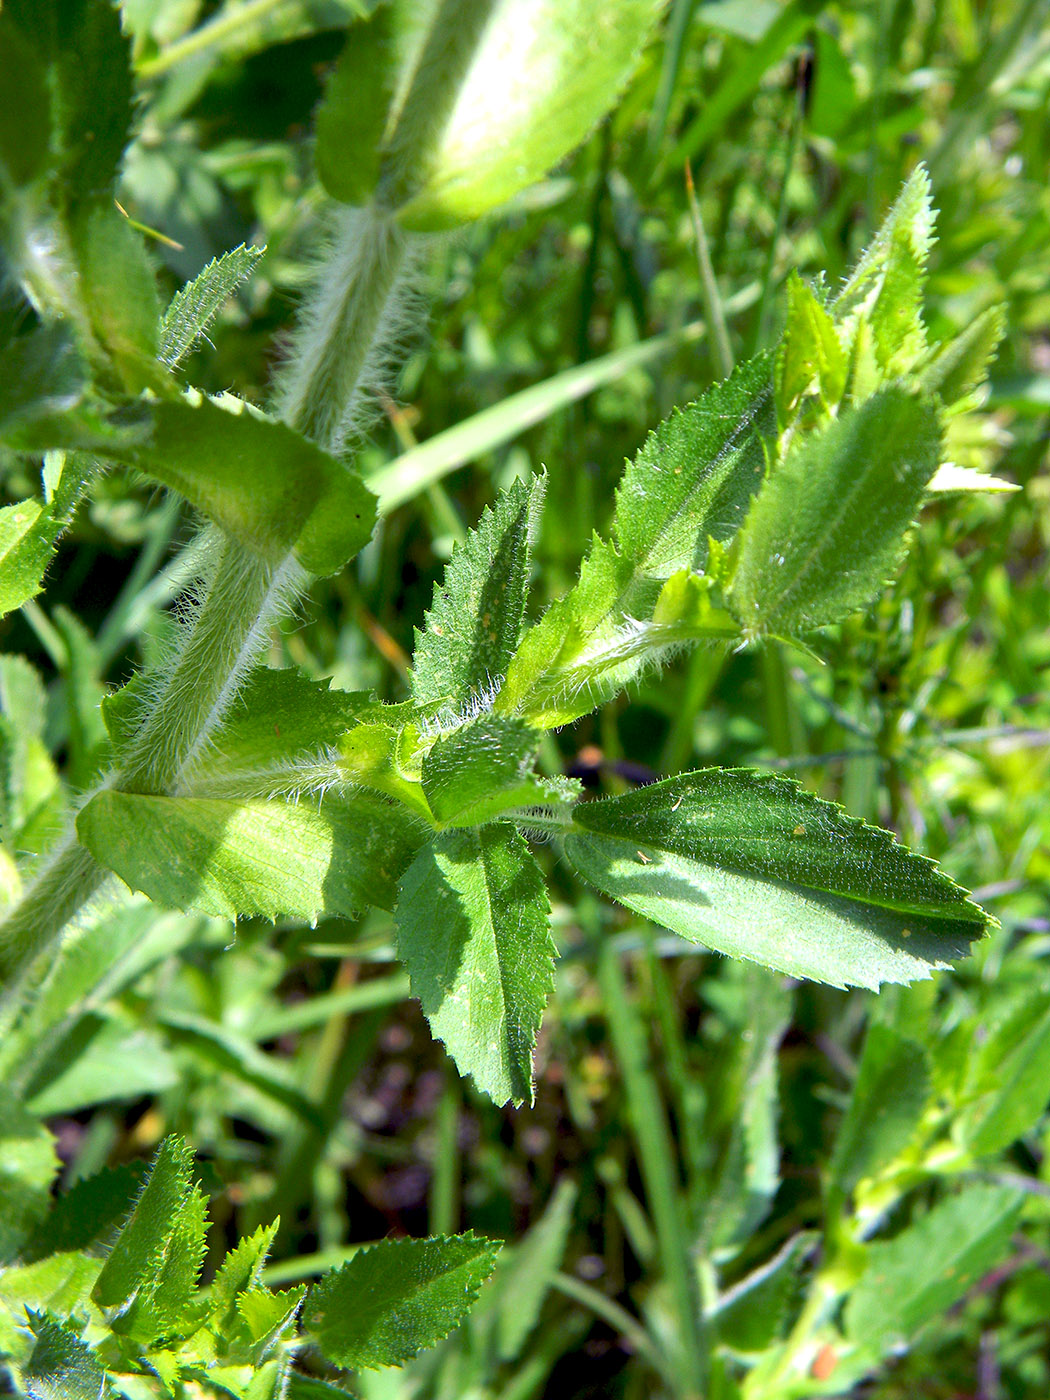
[119, 292]
[61, 1366]
[280, 722]
[239, 1272]
[886, 287]
[263, 483]
[916, 1277]
[889, 1097]
[1013, 1078]
[41, 376]
[827, 529]
[754, 866]
[102, 1059]
[353, 118]
[959, 366]
[485, 768]
[810, 359]
[198, 303]
[83, 691]
[473, 931]
[386, 759]
[87, 1212]
[227, 857]
[689, 484]
[25, 113]
[949, 479]
[391, 1301]
[523, 1275]
[169, 1201]
[267, 1317]
[27, 542]
[473, 625]
[27, 1167]
[751, 1314]
[87, 58]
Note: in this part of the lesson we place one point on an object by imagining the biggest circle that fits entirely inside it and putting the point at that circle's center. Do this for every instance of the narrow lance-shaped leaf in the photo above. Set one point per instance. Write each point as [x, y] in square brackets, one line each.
[474, 622]
[827, 529]
[473, 931]
[353, 118]
[689, 484]
[394, 1299]
[230, 858]
[28, 532]
[198, 303]
[754, 866]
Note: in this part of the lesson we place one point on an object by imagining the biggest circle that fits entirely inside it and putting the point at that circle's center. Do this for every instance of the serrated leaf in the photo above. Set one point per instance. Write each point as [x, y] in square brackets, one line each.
[194, 308]
[239, 1272]
[267, 1316]
[827, 529]
[279, 722]
[889, 1097]
[950, 478]
[61, 1366]
[689, 484]
[754, 866]
[27, 1167]
[167, 1304]
[263, 483]
[473, 931]
[536, 77]
[142, 1244]
[751, 1314]
[226, 857]
[917, 1276]
[87, 1211]
[353, 117]
[960, 365]
[394, 1299]
[28, 532]
[61, 1284]
[474, 622]
[885, 289]
[485, 768]
[810, 358]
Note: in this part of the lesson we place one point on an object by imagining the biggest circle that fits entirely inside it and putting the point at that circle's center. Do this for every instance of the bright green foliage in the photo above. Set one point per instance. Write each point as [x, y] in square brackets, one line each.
[228, 857]
[889, 1097]
[27, 1167]
[353, 119]
[491, 95]
[690, 482]
[79, 68]
[474, 623]
[119, 294]
[395, 1298]
[750, 1315]
[483, 769]
[523, 1274]
[755, 866]
[811, 359]
[885, 289]
[27, 535]
[915, 1277]
[270, 488]
[472, 921]
[1007, 1079]
[198, 303]
[61, 1366]
[958, 367]
[827, 528]
[40, 374]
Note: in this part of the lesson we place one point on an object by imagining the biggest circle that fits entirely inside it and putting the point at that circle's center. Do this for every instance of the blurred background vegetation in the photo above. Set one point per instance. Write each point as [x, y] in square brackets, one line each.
[674, 1085]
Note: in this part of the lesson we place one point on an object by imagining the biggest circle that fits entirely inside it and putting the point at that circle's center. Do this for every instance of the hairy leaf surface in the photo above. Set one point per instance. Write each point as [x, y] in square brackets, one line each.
[473, 625]
[229, 858]
[397, 1297]
[754, 866]
[485, 768]
[827, 529]
[198, 303]
[473, 931]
